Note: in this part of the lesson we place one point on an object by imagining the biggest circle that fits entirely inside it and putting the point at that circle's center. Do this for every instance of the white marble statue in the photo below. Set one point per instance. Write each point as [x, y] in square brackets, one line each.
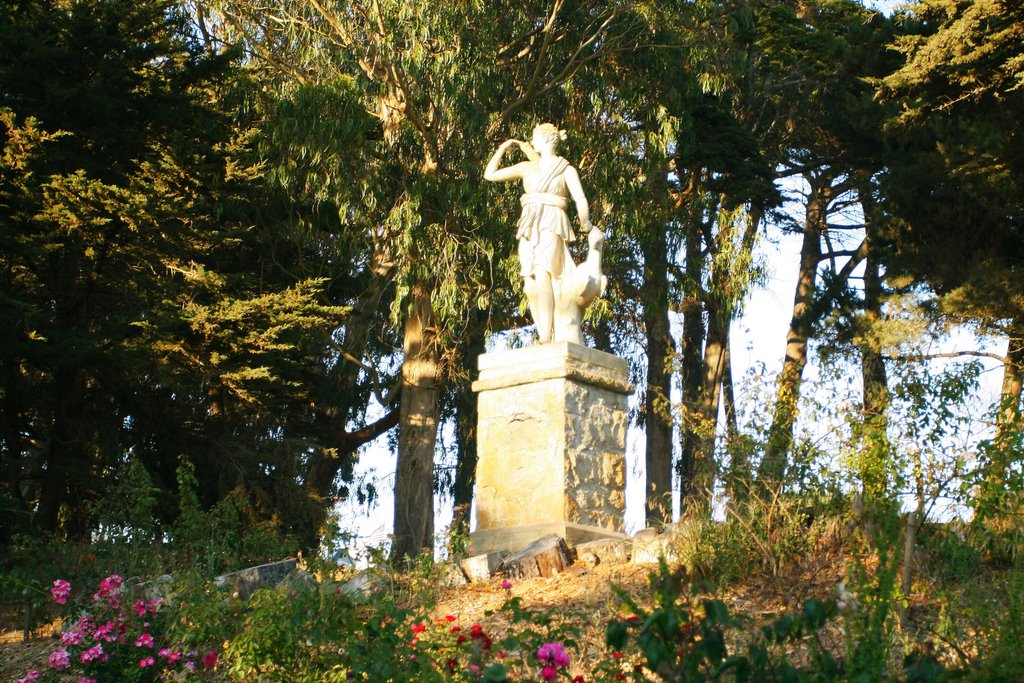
[557, 289]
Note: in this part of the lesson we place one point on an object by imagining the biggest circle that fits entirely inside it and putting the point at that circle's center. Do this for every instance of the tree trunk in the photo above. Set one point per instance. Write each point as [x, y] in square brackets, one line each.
[780, 434]
[657, 416]
[873, 373]
[414, 477]
[465, 426]
[13, 455]
[324, 465]
[692, 367]
[57, 480]
[723, 292]
[1013, 382]
[715, 347]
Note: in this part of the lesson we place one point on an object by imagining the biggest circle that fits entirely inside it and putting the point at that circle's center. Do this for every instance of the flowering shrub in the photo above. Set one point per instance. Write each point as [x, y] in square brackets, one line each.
[115, 641]
[553, 657]
[455, 653]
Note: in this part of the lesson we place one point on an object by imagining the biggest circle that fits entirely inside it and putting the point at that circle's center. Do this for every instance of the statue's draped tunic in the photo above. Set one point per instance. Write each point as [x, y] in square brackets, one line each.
[544, 225]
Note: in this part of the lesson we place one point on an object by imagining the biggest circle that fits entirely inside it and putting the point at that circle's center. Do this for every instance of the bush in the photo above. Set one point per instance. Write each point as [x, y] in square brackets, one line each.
[111, 639]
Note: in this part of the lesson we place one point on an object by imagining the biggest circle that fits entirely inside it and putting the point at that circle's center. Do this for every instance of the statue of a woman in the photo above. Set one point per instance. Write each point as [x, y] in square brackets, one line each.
[547, 267]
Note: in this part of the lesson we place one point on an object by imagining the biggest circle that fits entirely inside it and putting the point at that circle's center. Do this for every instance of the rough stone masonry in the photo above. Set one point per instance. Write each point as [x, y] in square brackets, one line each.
[551, 446]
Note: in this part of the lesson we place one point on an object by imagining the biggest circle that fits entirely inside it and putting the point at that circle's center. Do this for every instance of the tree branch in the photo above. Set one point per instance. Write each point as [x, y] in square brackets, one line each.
[354, 440]
[917, 357]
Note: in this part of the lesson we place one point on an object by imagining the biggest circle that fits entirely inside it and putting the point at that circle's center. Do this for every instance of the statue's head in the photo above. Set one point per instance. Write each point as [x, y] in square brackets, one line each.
[547, 134]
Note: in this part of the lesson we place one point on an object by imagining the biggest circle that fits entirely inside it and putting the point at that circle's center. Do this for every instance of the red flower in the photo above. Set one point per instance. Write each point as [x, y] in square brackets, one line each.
[449, 617]
[461, 639]
[579, 679]
[617, 655]
[456, 629]
[419, 628]
[210, 660]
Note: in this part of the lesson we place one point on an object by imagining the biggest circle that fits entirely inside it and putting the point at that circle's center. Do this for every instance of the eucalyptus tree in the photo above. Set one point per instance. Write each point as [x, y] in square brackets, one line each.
[721, 187]
[672, 145]
[819, 55]
[443, 82]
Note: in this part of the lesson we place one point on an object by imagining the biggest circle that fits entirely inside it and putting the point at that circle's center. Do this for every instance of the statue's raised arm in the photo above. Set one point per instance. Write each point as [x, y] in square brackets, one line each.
[557, 289]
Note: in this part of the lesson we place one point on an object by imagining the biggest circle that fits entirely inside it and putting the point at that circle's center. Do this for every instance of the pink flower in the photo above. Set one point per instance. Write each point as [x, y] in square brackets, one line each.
[105, 632]
[107, 588]
[71, 637]
[190, 666]
[549, 673]
[474, 668]
[112, 582]
[506, 584]
[210, 660]
[153, 605]
[93, 654]
[86, 680]
[60, 591]
[31, 676]
[146, 662]
[170, 655]
[139, 608]
[553, 653]
[60, 660]
[145, 640]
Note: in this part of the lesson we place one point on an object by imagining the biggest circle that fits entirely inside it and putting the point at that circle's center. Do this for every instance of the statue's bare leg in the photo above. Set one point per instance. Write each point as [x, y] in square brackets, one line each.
[530, 289]
[543, 306]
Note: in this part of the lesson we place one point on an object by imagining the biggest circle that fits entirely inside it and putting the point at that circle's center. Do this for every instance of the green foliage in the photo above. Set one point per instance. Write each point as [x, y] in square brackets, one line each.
[994, 493]
[228, 536]
[683, 638]
[305, 631]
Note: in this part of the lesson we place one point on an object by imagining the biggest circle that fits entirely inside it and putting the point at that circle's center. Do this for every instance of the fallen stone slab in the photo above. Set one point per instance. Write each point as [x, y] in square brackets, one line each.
[360, 586]
[452, 575]
[158, 588]
[605, 550]
[482, 567]
[547, 556]
[649, 546]
[247, 581]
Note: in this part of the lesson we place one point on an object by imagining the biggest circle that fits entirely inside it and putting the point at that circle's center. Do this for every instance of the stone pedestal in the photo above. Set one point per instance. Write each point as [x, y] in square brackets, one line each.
[551, 446]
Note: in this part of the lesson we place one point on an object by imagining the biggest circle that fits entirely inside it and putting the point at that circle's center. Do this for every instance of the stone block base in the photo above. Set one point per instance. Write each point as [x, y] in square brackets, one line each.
[515, 538]
[551, 446]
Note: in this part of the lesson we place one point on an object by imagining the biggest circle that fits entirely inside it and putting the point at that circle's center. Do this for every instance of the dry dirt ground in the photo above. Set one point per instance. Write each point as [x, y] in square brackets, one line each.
[580, 596]
[584, 598]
